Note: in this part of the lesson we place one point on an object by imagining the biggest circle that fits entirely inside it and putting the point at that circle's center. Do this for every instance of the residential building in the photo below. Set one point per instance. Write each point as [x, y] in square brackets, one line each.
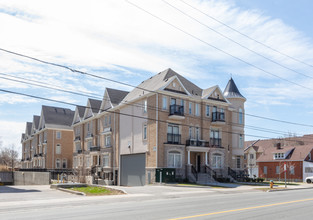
[267, 158]
[165, 122]
[48, 140]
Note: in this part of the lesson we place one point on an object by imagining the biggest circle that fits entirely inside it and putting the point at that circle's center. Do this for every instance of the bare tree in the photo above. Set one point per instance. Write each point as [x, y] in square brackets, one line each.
[8, 157]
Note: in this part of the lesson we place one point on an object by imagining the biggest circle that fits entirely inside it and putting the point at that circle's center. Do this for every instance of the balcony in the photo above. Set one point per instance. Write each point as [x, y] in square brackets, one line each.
[94, 148]
[218, 117]
[89, 136]
[77, 138]
[197, 143]
[177, 112]
[40, 155]
[35, 155]
[216, 142]
[80, 151]
[173, 138]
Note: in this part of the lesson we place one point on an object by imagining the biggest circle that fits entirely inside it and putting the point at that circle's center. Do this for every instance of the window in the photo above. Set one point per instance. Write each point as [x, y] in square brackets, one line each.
[173, 134]
[238, 162]
[310, 156]
[240, 116]
[279, 156]
[240, 141]
[64, 164]
[292, 170]
[145, 106]
[89, 144]
[197, 133]
[57, 163]
[75, 162]
[108, 141]
[265, 169]
[245, 156]
[190, 108]
[109, 119]
[105, 121]
[207, 110]
[277, 169]
[58, 149]
[222, 116]
[105, 161]
[190, 133]
[164, 103]
[145, 132]
[215, 137]
[214, 113]
[58, 135]
[217, 161]
[251, 156]
[77, 145]
[197, 109]
[87, 161]
[174, 160]
[308, 169]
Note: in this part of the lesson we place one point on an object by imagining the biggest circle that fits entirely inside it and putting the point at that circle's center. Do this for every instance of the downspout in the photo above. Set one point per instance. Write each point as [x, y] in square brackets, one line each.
[157, 123]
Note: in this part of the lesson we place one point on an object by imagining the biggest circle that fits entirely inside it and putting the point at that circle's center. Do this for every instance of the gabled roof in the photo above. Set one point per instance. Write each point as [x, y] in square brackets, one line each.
[159, 81]
[116, 96]
[95, 105]
[298, 152]
[231, 90]
[79, 114]
[209, 92]
[55, 117]
[28, 128]
[80, 111]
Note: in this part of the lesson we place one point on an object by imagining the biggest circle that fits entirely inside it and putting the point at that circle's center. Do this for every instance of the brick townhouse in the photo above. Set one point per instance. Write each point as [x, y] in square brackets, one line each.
[266, 158]
[165, 122]
[47, 143]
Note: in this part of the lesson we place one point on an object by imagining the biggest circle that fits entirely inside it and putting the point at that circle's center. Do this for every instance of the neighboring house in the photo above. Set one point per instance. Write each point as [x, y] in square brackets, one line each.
[165, 122]
[95, 128]
[48, 140]
[271, 155]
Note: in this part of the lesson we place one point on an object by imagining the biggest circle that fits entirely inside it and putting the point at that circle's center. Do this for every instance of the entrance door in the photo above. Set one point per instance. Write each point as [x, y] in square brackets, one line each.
[198, 163]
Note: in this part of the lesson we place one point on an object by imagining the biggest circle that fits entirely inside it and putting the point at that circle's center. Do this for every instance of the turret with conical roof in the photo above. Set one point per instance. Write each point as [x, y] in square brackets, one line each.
[231, 90]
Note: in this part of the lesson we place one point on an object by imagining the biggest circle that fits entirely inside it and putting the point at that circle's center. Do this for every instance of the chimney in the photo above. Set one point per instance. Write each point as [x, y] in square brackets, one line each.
[278, 146]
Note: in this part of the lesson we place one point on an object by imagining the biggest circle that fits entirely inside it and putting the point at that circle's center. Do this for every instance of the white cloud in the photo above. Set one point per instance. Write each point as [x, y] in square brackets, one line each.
[11, 133]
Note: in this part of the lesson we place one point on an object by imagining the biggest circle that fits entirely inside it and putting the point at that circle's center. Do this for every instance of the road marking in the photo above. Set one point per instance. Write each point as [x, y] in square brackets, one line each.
[236, 210]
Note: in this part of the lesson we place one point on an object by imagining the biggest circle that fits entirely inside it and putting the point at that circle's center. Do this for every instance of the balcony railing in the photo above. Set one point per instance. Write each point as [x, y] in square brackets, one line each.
[94, 148]
[80, 151]
[215, 142]
[197, 143]
[35, 155]
[177, 110]
[173, 138]
[218, 116]
[77, 138]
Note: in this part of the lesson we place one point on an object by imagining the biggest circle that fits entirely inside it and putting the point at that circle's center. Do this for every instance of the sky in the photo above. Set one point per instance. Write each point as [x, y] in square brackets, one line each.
[265, 46]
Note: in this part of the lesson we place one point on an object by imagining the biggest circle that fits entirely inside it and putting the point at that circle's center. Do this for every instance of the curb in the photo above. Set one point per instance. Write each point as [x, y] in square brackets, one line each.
[71, 191]
[121, 190]
[286, 189]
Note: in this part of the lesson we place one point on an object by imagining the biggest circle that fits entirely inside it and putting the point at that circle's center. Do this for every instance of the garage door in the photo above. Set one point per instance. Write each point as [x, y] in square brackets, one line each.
[133, 170]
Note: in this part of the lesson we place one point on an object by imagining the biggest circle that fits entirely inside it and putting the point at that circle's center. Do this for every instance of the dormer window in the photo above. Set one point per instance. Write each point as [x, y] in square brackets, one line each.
[279, 156]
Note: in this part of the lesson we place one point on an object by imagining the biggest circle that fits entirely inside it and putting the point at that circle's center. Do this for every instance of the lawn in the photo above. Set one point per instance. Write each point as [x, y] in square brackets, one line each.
[96, 191]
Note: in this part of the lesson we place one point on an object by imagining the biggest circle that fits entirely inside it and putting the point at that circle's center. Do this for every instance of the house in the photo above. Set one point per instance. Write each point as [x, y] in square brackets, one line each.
[96, 138]
[270, 156]
[165, 122]
[47, 143]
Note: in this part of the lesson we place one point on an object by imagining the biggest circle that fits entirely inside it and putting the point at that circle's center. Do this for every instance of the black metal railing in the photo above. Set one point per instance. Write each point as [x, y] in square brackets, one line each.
[35, 155]
[177, 110]
[173, 138]
[211, 172]
[77, 138]
[79, 151]
[197, 143]
[218, 116]
[215, 142]
[194, 172]
[94, 148]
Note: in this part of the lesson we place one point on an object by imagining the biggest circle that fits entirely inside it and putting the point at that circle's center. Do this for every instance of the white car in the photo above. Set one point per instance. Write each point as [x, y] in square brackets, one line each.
[309, 179]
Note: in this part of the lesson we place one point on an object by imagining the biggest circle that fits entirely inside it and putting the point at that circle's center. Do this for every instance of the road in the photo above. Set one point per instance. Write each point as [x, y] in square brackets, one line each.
[153, 202]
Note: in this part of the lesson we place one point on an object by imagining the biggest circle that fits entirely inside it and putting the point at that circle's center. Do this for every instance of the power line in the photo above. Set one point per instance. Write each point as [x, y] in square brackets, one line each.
[138, 87]
[223, 51]
[230, 39]
[136, 104]
[247, 36]
[120, 113]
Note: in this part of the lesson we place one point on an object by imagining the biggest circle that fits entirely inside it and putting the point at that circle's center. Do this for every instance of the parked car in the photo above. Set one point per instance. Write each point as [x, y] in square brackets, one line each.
[309, 179]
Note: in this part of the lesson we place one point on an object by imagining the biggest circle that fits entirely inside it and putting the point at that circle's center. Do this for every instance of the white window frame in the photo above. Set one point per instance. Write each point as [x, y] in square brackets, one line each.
[190, 108]
[106, 160]
[145, 106]
[197, 109]
[144, 132]
[164, 103]
[217, 161]
[57, 163]
[277, 169]
[58, 149]
[292, 170]
[58, 135]
[207, 111]
[265, 169]
[174, 159]
[241, 142]
[108, 141]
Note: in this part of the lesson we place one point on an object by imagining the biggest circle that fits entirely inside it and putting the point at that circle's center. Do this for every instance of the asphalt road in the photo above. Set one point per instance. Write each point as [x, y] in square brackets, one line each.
[160, 202]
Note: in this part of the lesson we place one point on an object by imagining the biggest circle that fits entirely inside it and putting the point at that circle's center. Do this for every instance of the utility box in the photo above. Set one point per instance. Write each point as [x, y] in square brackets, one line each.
[165, 175]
